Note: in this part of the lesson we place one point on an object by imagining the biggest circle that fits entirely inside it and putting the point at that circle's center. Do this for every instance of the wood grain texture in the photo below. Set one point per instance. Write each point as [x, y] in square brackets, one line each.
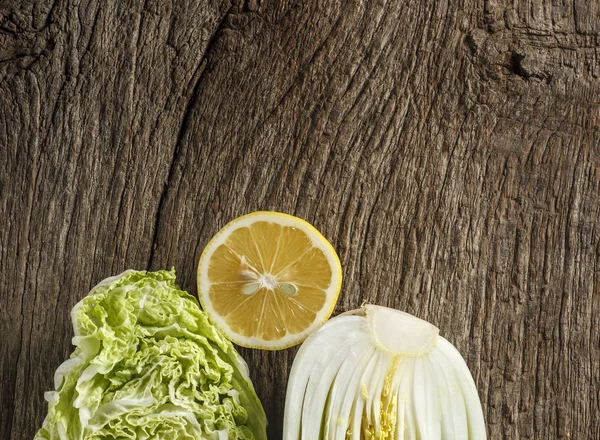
[450, 151]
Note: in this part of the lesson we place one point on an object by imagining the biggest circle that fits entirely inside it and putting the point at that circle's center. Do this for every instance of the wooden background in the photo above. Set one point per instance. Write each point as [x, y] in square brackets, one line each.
[450, 151]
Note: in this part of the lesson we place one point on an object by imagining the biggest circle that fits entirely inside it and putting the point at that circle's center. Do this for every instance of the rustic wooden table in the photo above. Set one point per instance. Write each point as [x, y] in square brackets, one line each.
[449, 150]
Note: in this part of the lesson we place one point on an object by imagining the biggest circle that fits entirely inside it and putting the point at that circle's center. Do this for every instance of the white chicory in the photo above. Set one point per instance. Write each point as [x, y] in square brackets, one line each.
[377, 373]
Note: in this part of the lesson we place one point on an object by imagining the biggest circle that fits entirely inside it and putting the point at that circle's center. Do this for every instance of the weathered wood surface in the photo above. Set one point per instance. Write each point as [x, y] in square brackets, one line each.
[449, 150]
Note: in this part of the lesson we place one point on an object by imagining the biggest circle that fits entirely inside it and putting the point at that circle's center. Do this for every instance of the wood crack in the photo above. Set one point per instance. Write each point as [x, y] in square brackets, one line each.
[183, 130]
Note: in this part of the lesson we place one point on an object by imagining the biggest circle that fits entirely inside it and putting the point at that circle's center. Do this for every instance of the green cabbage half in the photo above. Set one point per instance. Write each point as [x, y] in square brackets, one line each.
[148, 364]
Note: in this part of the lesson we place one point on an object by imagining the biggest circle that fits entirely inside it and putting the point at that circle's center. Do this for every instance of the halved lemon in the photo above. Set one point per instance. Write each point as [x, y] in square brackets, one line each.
[268, 279]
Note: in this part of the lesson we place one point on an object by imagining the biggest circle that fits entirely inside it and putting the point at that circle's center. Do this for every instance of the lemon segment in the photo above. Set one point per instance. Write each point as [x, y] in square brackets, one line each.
[268, 279]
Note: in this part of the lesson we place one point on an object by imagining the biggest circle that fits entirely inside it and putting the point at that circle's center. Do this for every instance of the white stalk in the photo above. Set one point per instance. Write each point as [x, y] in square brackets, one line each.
[380, 374]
